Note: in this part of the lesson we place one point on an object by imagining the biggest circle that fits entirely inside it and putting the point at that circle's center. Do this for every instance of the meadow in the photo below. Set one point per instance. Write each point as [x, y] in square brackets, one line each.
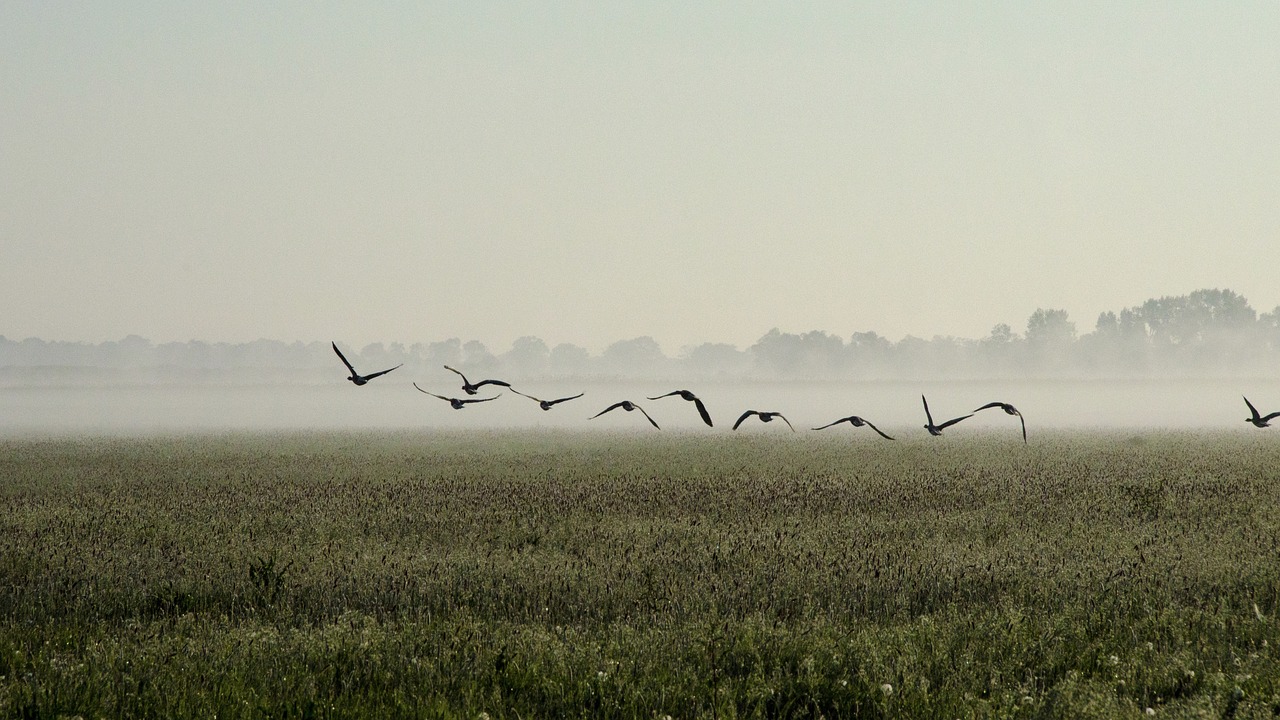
[529, 574]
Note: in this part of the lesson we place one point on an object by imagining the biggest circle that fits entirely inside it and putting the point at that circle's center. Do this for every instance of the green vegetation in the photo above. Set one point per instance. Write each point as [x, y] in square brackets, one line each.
[618, 575]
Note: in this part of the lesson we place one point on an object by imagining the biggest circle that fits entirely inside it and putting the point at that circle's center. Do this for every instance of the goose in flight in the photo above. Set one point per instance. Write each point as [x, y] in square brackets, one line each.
[936, 430]
[855, 421]
[628, 406]
[1011, 410]
[356, 377]
[455, 402]
[546, 404]
[1258, 420]
[472, 389]
[686, 395]
[764, 417]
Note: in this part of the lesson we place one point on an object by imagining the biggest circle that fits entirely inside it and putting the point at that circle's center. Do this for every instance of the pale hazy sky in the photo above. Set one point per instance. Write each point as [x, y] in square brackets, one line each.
[590, 172]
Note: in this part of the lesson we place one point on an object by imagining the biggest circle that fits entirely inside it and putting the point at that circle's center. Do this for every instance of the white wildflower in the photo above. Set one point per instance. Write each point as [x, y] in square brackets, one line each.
[887, 689]
[601, 675]
[1151, 711]
[1114, 660]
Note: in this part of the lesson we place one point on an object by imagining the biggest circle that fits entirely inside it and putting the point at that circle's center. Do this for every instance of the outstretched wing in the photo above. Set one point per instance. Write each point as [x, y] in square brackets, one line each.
[785, 420]
[563, 399]
[646, 415]
[353, 370]
[702, 410]
[502, 383]
[476, 400]
[1024, 427]
[744, 416]
[464, 377]
[432, 394]
[673, 392]
[988, 406]
[1267, 418]
[835, 422]
[523, 395]
[1252, 409]
[611, 407]
[873, 427]
[927, 414]
[381, 372]
[953, 421]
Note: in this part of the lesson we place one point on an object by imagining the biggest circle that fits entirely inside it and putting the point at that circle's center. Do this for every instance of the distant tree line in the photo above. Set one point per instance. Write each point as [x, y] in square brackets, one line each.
[1206, 333]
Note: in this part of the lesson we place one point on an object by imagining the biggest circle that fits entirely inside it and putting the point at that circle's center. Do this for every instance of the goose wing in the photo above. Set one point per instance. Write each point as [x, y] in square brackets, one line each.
[501, 383]
[673, 392]
[988, 406]
[1267, 418]
[927, 414]
[646, 415]
[459, 372]
[432, 394]
[744, 416]
[833, 422]
[702, 410]
[953, 421]
[476, 400]
[523, 395]
[1024, 427]
[381, 372]
[563, 399]
[878, 432]
[785, 420]
[353, 370]
[611, 407]
[1252, 409]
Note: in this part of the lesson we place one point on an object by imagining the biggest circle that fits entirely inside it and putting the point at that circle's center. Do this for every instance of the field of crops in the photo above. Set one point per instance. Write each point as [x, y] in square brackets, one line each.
[547, 574]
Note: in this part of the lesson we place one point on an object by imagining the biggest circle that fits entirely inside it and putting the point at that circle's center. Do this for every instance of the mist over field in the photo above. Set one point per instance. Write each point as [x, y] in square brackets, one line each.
[1173, 362]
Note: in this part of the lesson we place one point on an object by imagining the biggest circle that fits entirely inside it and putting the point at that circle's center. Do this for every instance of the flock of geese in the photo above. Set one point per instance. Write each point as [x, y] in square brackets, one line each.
[470, 388]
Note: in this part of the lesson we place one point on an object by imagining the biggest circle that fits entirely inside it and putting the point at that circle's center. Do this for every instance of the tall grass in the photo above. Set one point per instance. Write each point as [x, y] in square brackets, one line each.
[543, 574]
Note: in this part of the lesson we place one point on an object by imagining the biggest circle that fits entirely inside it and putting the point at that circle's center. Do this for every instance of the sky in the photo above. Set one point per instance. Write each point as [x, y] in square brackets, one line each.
[589, 172]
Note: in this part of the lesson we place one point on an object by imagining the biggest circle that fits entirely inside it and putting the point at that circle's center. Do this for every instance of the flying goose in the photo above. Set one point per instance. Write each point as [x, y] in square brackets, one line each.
[1011, 410]
[547, 404]
[628, 406]
[1258, 420]
[472, 389]
[855, 421]
[685, 394]
[356, 377]
[455, 402]
[764, 417]
[936, 430]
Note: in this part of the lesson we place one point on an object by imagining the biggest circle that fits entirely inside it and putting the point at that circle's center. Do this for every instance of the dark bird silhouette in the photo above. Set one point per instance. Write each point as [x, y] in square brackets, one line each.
[547, 404]
[1011, 410]
[1258, 420]
[764, 417]
[855, 421]
[628, 406]
[685, 394]
[356, 377]
[937, 429]
[472, 389]
[455, 402]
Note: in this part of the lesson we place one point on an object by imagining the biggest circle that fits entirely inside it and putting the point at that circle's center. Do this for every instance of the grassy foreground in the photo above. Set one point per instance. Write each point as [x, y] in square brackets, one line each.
[538, 575]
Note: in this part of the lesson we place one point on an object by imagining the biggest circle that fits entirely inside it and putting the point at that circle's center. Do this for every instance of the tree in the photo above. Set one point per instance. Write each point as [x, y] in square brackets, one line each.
[637, 357]
[567, 359]
[1050, 336]
[527, 357]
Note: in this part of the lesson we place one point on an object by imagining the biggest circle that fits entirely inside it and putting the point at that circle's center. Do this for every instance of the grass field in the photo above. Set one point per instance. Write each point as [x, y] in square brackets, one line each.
[549, 574]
